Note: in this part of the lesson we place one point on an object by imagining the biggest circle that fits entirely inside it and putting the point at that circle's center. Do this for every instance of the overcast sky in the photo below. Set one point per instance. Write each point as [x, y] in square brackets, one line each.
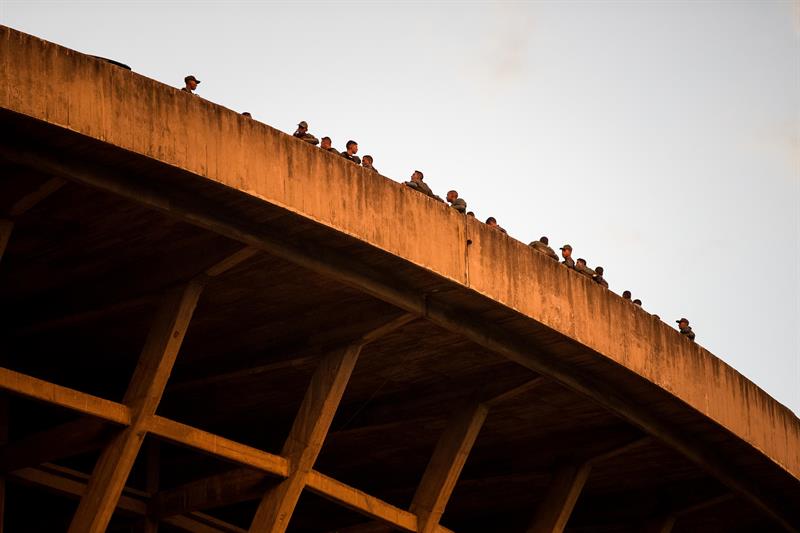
[660, 138]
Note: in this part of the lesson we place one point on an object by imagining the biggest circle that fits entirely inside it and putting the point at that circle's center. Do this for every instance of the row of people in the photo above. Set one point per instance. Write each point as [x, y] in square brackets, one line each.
[459, 204]
[543, 246]
[416, 182]
[351, 149]
[596, 274]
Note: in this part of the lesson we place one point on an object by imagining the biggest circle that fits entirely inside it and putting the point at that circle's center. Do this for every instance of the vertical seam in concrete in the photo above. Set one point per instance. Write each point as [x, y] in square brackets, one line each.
[466, 251]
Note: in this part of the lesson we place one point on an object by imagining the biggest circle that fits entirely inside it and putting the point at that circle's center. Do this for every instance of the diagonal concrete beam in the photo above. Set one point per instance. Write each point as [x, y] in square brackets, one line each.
[310, 428]
[142, 398]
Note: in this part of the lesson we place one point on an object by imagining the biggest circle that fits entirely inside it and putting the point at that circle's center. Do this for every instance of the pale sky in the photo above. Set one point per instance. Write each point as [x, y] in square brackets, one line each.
[660, 138]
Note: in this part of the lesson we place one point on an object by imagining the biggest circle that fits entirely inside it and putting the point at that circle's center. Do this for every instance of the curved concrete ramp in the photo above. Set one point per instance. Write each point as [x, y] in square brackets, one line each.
[452, 374]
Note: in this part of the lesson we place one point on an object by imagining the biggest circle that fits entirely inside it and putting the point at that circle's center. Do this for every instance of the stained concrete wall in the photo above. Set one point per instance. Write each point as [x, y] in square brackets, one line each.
[74, 91]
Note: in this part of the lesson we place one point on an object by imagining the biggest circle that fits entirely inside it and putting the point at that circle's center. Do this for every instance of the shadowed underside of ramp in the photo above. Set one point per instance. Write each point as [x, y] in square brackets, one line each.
[210, 326]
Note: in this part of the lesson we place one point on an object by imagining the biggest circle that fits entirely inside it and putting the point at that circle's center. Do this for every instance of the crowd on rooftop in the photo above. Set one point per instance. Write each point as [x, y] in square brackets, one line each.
[452, 198]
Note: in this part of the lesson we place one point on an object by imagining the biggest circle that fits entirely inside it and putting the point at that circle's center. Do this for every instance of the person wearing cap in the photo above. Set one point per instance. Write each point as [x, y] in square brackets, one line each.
[367, 163]
[302, 133]
[543, 246]
[325, 144]
[626, 295]
[638, 302]
[191, 84]
[350, 152]
[459, 204]
[583, 269]
[566, 253]
[492, 223]
[685, 328]
[598, 277]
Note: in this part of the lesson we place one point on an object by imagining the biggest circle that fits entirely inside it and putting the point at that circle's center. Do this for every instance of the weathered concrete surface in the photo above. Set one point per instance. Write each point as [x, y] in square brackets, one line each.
[74, 91]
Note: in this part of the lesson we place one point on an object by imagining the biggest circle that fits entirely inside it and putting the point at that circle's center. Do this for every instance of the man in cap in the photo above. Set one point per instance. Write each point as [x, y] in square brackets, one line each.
[191, 84]
[459, 204]
[626, 295]
[492, 223]
[350, 152]
[302, 133]
[326, 145]
[367, 163]
[598, 277]
[543, 246]
[583, 269]
[685, 328]
[566, 253]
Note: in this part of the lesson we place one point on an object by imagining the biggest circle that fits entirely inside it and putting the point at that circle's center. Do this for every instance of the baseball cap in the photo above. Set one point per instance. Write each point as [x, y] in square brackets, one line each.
[682, 320]
[566, 247]
[191, 78]
[303, 124]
